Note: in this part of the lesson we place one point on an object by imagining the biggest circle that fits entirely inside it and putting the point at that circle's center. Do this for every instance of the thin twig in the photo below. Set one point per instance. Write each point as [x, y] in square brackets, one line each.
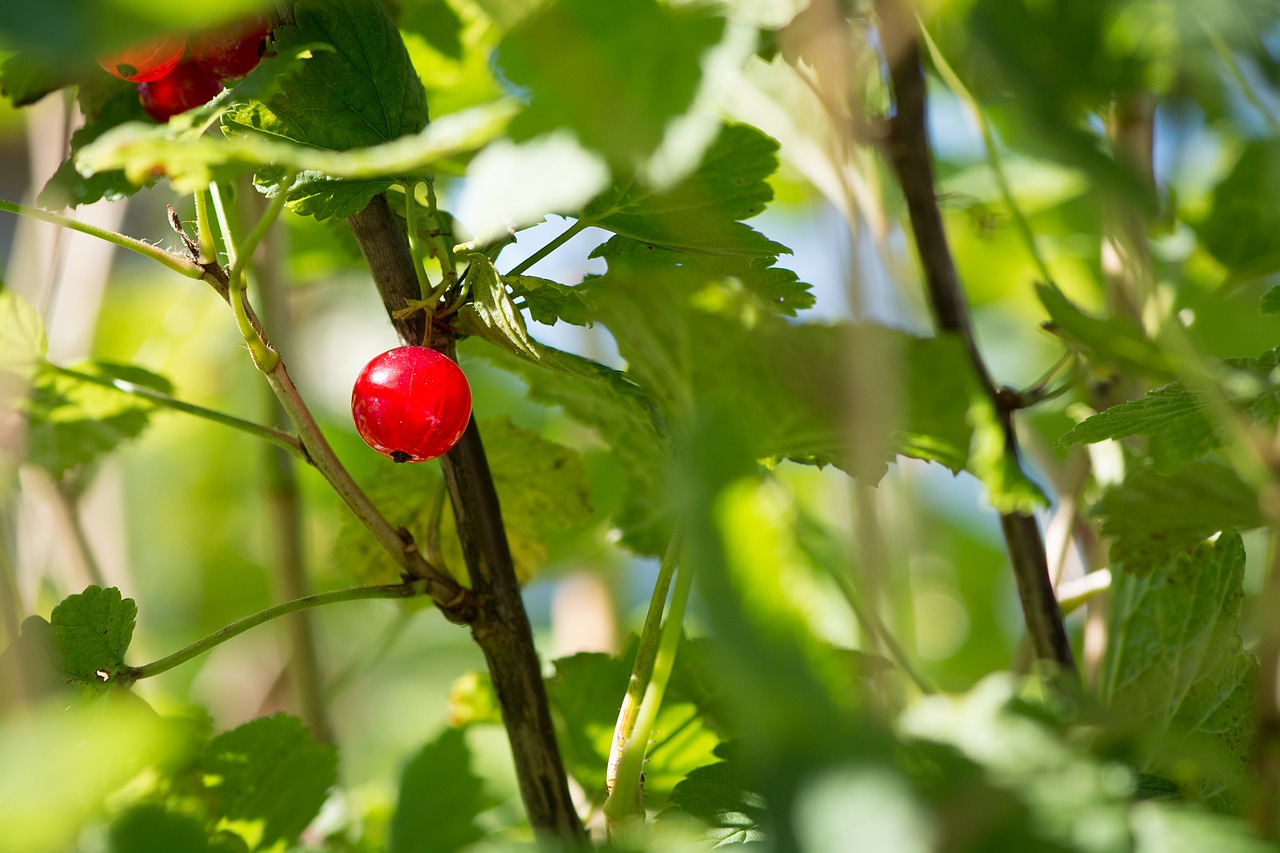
[910, 157]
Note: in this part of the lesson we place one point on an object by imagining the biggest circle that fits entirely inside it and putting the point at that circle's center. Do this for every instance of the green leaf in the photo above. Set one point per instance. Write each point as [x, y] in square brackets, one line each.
[90, 632]
[1169, 827]
[22, 347]
[472, 700]
[1112, 340]
[1269, 306]
[107, 103]
[361, 93]
[1179, 421]
[618, 72]
[547, 301]
[437, 22]
[440, 797]
[719, 795]
[73, 423]
[1009, 489]
[625, 418]
[1176, 669]
[701, 213]
[778, 288]
[1152, 516]
[786, 381]
[269, 772]
[542, 489]
[1020, 750]
[152, 828]
[26, 78]
[1240, 227]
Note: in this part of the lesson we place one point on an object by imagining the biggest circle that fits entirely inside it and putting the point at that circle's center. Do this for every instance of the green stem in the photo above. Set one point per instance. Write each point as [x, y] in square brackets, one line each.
[415, 241]
[568, 234]
[958, 88]
[655, 656]
[246, 246]
[204, 229]
[199, 647]
[180, 265]
[275, 436]
[224, 212]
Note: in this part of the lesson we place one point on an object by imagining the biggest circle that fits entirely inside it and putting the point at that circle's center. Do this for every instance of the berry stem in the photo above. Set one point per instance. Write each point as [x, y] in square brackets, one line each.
[565, 236]
[199, 647]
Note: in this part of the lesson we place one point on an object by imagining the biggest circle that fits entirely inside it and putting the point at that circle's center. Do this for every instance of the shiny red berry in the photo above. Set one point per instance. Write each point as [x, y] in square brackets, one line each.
[234, 50]
[186, 86]
[148, 60]
[411, 403]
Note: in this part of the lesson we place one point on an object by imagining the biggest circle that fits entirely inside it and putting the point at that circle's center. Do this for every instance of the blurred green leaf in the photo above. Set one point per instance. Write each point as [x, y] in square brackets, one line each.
[73, 423]
[152, 828]
[440, 797]
[472, 701]
[1112, 340]
[617, 74]
[1239, 229]
[1019, 751]
[701, 213]
[26, 78]
[1178, 671]
[22, 346]
[1165, 827]
[107, 103]
[1269, 306]
[269, 773]
[437, 22]
[1152, 515]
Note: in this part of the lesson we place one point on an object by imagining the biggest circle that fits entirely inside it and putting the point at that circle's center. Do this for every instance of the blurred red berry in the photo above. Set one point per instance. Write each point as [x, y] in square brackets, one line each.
[148, 60]
[186, 86]
[234, 50]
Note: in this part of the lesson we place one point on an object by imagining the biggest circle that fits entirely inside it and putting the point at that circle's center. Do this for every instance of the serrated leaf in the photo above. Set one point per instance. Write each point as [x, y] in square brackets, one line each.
[787, 381]
[701, 213]
[1177, 670]
[73, 423]
[547, 301]
[625, 418]
[619, 71]
[271, 772]
[720, 796]
[90, 632]
[1179, 421]
[541, 485]
[773, 286]
[1153, 516]
[440, 797]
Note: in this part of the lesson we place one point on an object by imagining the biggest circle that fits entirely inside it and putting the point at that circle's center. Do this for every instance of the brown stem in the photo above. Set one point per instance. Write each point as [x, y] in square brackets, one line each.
[500, 624]
[908, 150]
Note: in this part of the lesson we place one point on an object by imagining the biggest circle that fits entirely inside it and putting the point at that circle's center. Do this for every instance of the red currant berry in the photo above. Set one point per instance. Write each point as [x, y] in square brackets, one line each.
[148, 60]
[234, 50]
[183, 88]
[411, 403]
